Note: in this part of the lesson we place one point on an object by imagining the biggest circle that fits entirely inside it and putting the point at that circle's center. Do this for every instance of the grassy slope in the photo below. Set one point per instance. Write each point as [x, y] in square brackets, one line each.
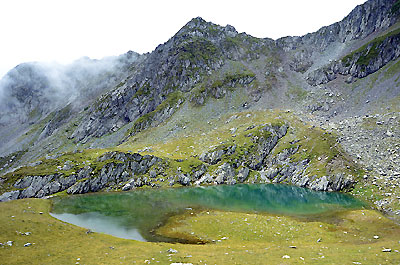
[250, 239]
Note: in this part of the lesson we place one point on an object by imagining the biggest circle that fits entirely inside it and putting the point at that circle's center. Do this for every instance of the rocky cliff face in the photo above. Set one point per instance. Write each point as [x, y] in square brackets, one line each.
[306, 52]
[366, 60]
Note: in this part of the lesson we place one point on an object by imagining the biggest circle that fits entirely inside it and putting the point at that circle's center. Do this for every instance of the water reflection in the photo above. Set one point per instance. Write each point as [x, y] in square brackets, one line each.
[135, 214]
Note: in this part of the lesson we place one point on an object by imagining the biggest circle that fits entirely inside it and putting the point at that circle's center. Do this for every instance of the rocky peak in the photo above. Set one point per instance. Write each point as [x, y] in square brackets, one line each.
[196, 23]
[198, 27]
[195, 51]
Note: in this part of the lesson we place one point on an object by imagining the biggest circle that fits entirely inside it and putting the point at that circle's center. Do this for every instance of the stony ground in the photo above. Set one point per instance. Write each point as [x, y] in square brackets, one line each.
[374, 142]
[368, 131]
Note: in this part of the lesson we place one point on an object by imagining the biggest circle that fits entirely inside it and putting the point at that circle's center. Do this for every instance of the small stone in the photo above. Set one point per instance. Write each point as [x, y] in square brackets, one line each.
[376, 237]
[292, 247]
[28, 245]
[319, 240]
[172, 251]
[386, 250]
[9, 243]
[285, 257]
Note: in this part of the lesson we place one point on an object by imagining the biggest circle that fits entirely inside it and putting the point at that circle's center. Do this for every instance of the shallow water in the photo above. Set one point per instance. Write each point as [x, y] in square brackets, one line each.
[135, 214]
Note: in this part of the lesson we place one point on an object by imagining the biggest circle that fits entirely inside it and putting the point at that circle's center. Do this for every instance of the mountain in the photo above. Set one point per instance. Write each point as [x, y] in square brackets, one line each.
[214, 106]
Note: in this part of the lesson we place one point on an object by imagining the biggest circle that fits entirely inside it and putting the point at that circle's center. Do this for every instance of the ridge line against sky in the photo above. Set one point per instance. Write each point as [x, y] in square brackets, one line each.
[63, 31]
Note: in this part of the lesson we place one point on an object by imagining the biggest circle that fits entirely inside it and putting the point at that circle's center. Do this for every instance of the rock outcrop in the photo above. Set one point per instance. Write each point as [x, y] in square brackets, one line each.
[362, 62]
[365, 19]
[118, 168]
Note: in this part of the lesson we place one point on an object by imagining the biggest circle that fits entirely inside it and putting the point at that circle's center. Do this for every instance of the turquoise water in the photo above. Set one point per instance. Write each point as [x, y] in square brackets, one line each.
[135, 214]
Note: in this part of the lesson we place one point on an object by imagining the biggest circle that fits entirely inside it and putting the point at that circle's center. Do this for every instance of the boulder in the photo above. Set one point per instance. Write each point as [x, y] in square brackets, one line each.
[183, 180]
[8, 196]
[243, 174]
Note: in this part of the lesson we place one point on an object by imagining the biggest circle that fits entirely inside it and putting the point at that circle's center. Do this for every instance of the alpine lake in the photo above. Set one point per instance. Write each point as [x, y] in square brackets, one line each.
[140, 214]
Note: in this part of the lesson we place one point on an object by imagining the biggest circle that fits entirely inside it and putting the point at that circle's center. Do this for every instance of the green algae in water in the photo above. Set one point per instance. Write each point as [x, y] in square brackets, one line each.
[135, 214]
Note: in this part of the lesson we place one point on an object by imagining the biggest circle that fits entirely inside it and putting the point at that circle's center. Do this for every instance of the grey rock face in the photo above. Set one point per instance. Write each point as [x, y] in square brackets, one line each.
[243, 174]
[374, 15]
[360, 64]
[206, 178]
[320, 184]
[199, 172]
[112, 174]
[79, 187]
[8, 196]
[224, 172]
[212, 157]
[256, 160]
[184, 180]
[271, 173]
[215, 156]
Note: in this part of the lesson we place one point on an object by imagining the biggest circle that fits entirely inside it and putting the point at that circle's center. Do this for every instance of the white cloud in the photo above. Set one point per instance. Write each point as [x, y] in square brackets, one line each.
[64, 30]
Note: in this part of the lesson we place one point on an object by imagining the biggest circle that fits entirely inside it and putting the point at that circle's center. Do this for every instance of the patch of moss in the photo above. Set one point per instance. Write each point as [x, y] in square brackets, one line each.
[367, 57]
[34, 114]
[143, 90]
[392, 70]
[185, 166]
[296, 91]
[227, 79]
[395, 8]
[198, 49]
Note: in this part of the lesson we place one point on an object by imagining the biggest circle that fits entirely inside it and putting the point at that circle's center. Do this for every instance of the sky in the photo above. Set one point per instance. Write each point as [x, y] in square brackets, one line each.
[65, 30]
